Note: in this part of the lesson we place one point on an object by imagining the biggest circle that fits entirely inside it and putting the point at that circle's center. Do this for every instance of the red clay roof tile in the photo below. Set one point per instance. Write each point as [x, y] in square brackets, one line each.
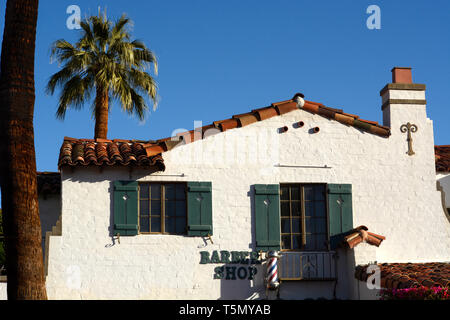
[286, 107]
[313, 108]
[154, 150]
[360, 235]
[228, 124]
[245, 119]
[345, 119]
[442, 156]
[409, 275]
[76, 152]
[265, 113]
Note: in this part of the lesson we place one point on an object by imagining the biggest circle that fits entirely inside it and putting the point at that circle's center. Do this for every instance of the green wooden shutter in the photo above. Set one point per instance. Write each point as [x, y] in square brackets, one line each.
[267, 217]
[126, 208]
[340, 212]
[199, 203]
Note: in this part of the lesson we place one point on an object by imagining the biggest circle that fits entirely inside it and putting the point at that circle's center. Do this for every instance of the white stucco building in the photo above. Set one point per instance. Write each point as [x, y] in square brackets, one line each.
[190, 217]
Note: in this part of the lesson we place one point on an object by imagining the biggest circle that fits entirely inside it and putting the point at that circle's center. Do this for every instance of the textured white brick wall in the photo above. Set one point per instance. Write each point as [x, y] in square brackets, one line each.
[3, 294]
[393, 195]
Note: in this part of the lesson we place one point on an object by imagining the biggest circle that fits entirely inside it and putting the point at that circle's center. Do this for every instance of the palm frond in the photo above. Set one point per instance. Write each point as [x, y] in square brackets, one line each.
[75, 93]
[104, 56]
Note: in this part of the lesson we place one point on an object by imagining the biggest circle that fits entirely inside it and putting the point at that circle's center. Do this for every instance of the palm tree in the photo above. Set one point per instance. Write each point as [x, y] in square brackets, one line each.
[22, 227]
[104, 59]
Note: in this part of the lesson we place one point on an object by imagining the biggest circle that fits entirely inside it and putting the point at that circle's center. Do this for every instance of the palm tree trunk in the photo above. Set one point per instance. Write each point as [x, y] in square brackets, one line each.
[101, 113]
[22, 227]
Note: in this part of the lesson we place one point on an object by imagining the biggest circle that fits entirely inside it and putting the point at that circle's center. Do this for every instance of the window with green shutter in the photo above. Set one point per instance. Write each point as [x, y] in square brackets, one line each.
[125, 208]
[162, 208]
[267, 217]
[199, 203]
[340, 212]
[304, 217]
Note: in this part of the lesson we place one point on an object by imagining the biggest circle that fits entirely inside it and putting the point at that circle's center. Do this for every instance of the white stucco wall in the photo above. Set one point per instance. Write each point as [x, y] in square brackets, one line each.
[393, 195]
[3, 294]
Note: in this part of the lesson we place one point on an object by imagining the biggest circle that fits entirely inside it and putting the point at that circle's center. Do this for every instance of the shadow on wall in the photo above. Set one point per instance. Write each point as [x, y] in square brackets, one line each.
[443, 185]
[243, 279]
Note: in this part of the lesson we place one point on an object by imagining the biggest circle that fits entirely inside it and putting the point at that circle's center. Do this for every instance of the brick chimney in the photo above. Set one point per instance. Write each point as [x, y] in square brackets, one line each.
[402, 100]
[401, 75]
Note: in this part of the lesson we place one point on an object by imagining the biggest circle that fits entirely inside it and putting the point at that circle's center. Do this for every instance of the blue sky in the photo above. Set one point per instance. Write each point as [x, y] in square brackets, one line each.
[220, 58]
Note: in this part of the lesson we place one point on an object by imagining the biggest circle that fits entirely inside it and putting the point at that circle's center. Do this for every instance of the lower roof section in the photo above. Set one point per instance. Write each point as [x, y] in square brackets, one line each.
[442, 154]
[49, 183]
[410, 275]
[100, 152]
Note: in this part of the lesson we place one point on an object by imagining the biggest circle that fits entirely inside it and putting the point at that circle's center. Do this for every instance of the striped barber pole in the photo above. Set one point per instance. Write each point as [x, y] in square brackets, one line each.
[272, 270]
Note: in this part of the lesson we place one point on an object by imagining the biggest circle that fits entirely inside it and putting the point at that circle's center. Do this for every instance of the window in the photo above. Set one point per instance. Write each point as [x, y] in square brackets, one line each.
[303, 217]
[162, 208]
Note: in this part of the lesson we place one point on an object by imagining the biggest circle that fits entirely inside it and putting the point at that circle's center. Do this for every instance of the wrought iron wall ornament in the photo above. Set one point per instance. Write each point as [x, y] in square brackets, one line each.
[410, 128]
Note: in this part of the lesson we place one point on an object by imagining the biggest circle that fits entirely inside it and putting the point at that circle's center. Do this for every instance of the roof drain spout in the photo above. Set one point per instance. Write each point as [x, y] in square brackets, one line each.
[283, 130]
[300, 124]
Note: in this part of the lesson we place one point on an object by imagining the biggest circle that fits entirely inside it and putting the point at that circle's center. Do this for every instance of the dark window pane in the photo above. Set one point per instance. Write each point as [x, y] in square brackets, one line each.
[310, 242]
[143, 208]
[321, 243]
[321, 226]
[309, 192]
[319, 193]
[309, 224]
[285, 209]
[143, 189]
[295, 193]
[170, 208]
[285, 225]
[181, 209]
[320, 209]
[286, 242]
[156, 224]
[144, 224]
[170, 225]
[180, 192]
[296, 209]
[170, 191]
[297, 242]
[296, 225]
[180, 225]
[309, 209]
[155, 191]
[156, 208]
[284, 193]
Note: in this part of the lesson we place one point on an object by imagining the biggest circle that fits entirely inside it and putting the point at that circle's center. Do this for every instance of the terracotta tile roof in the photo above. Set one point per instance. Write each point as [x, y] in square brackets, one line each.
[275, 109]
[360, 235]
[410, 275]
[84, 152]
[442, 154]
[100, 152]
[49, 183]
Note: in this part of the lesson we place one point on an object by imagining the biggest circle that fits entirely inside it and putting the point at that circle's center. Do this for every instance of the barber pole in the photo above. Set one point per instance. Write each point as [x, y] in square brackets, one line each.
[272, 270]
